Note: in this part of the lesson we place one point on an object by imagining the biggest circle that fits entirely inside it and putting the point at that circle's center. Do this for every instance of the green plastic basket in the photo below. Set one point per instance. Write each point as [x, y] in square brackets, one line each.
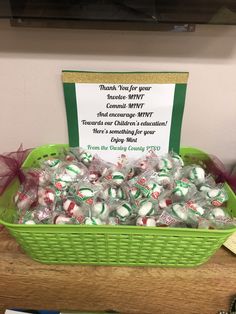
[112, 245]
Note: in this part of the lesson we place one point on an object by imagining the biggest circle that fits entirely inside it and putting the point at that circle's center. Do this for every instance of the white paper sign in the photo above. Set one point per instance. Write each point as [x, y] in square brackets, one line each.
[124, 118]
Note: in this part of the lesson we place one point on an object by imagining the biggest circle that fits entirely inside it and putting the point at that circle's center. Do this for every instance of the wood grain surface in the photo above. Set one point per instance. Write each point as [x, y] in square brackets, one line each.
[28, 284]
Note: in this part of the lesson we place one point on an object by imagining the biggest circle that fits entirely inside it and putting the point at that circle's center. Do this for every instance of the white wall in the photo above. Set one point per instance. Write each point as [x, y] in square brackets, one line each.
[31, 95]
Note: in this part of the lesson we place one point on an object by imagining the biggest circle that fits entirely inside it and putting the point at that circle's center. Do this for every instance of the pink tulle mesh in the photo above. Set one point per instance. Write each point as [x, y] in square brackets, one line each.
[10, 167]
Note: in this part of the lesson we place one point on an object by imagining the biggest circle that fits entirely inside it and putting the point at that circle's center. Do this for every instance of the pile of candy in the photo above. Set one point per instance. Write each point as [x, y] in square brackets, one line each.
[79, 188]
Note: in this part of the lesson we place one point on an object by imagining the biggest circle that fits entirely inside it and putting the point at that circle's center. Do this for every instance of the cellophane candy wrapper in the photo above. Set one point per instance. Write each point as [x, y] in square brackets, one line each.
[147, 207]
[196, 174]
[98, 168]
[111, 192]
[124, 211]
[183, 190]
[146, 186]
[82, 155]
[147, 221]
[115, 176]
[83, 193]
[164, 178]
[27, 218]
[216, 196]
[168, 219]
[219, 219]
[43, 214]
[146, 163]
[75, 209]
[165, 199]
[71, 171]
[25, 198]
[165, 163]
[101, 209]
[152, 191]
[176, 160]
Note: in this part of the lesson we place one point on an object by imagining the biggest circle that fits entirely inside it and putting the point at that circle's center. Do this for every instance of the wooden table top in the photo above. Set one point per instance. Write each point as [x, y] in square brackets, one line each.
[27, 284]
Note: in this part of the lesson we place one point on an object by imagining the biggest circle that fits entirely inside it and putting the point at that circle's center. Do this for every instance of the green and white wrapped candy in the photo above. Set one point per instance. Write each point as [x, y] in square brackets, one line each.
[197, 175]
[85, 195]
[146, 221]
[147, 208]
[155, 190]
[74, 171]
[196, 208]
[217, 196]
[92, 221]
[100, 210]
[27, 218]
[164, 178]
[86, 158]
[180, 211]
[52, 163]
[124, 211]
[165, 164]
[110, 192]
[72, 209]
[181, 189]
[135, 193]
[120, 193]
[118, 177]
[177, 160]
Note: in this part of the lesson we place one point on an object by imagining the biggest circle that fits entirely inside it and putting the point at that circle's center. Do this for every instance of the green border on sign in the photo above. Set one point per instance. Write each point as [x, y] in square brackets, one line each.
[177, 117]
[177, 110]
[71, 113]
